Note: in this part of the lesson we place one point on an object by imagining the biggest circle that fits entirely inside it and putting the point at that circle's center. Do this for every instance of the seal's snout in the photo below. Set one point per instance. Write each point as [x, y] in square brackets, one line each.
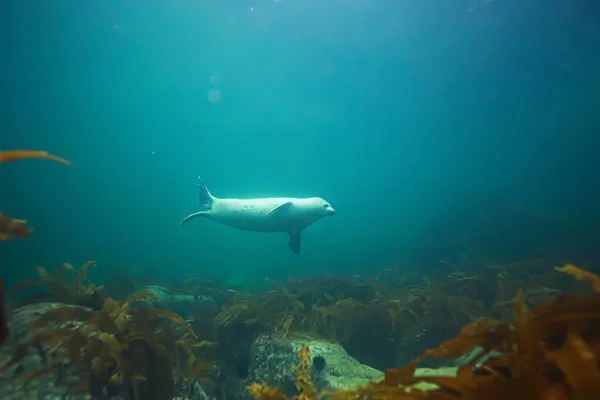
[331, 211]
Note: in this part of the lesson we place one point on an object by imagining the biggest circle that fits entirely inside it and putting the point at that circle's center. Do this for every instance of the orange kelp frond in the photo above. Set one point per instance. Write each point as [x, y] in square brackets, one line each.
[304, 385]
[14, 155]
[581, 274]
[10, 227]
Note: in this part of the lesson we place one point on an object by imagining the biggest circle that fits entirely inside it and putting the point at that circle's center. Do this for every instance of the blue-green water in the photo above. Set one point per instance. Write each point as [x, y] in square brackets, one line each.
[437, 129]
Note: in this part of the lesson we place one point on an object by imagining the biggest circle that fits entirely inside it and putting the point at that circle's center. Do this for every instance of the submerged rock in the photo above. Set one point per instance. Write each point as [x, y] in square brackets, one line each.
[58, 384]
[273, 360]
[61, 382]
[177, 303]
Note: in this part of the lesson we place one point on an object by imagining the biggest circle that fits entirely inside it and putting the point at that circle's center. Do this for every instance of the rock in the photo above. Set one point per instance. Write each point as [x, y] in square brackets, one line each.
[61, 382]
[273, 360]
[191, 390]
[56, 385]
[177, 303]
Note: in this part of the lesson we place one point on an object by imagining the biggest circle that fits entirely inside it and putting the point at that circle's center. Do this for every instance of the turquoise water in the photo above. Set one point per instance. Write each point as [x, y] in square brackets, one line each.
[436, 129]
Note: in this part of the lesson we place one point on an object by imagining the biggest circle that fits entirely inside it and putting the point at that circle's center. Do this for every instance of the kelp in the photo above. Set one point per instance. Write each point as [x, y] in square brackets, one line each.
[121, 344]
[339, 308]
[550, 352]
[405, 311]
[400, 312]
[14, 155]
[274, 309]
[13, 228]
[77, 291]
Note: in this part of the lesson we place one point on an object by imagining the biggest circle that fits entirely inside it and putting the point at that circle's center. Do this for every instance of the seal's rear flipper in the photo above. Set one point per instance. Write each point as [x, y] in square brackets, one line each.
[204, 197]
[295, 240]
[190, 217]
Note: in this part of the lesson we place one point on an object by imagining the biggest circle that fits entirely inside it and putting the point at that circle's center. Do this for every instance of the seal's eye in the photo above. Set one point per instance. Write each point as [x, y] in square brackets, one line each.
[325, 205]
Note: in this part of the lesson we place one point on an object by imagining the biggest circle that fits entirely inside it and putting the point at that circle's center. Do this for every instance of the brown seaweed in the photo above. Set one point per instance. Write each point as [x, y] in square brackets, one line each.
[77, 291]
[123, 343]
[550, 352]
[13, 228]
[405, 311]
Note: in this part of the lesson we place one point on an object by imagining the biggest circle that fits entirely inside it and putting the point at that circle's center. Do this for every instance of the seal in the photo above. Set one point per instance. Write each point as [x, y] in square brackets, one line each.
[271, 214]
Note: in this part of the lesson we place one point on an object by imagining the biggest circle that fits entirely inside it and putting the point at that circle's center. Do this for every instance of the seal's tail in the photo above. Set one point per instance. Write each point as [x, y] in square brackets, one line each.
[205, 199]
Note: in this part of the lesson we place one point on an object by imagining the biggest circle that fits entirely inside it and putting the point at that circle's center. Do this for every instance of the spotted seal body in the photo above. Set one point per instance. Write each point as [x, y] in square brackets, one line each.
[271, 214]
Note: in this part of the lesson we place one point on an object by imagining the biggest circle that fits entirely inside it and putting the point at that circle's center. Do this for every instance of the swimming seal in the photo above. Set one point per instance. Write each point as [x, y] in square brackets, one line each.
[271, 214]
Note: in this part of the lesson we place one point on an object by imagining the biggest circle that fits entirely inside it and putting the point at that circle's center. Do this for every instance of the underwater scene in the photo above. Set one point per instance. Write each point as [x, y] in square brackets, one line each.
[300, 199]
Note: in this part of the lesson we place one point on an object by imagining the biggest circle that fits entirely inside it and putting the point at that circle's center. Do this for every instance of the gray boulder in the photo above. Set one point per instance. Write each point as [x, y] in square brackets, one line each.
[273, 360]
[58, 384]
[181, 304]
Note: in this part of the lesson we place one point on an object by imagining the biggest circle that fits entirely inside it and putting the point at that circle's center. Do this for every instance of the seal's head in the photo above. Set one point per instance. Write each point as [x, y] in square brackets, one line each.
[320, 207]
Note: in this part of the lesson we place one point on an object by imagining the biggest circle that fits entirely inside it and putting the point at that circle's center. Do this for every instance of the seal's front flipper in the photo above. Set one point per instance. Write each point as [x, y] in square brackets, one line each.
[280, 209]
[190, 217]
[295, 240]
